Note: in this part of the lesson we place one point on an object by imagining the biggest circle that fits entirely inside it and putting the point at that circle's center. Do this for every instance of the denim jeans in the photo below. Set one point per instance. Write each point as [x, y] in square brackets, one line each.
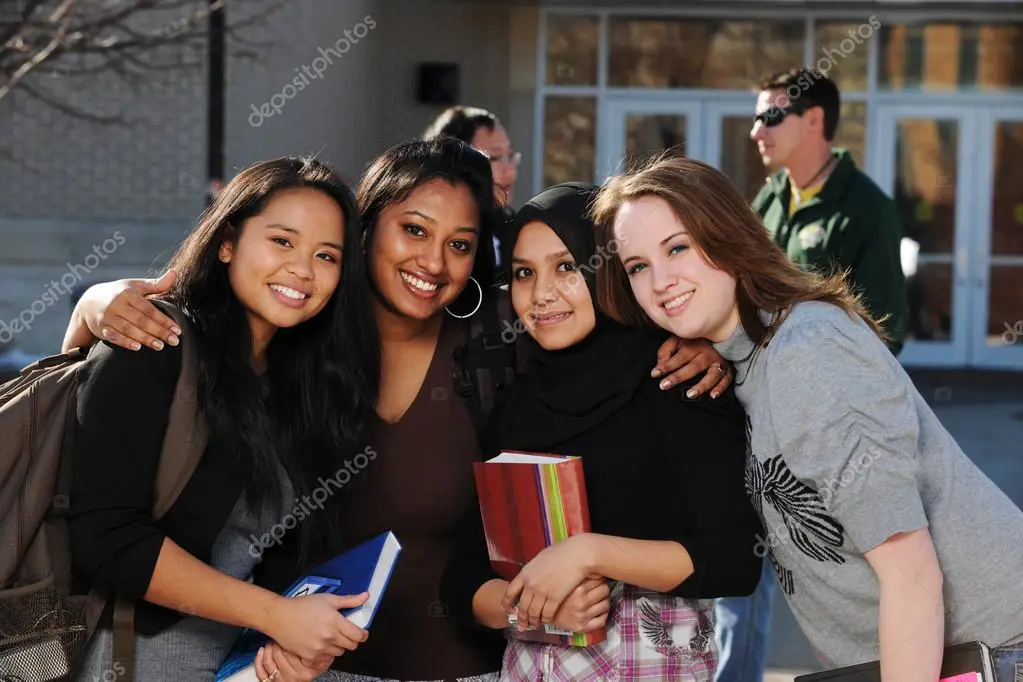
[1009, 663]
[742, 626]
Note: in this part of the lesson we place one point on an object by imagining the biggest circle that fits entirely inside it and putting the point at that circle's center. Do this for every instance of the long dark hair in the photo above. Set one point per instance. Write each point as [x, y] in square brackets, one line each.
[308, 410]
[405, 167]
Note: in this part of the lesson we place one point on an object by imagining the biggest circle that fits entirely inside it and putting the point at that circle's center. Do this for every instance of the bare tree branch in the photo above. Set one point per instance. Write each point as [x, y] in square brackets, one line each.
[71, 111]
[130, 39]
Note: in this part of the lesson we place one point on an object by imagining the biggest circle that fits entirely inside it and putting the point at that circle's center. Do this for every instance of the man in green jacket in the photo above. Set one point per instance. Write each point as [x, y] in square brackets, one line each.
[826, 213]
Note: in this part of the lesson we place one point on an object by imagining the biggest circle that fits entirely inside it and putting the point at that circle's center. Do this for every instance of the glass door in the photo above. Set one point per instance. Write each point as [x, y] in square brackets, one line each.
[728, 144]
[924, 158]
[996, 295]
[636, 130]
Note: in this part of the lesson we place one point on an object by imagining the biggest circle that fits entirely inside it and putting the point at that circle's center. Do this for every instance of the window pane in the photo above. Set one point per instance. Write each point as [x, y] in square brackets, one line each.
[1004, 319]
[572, 50]
[649, 135]
[569, 146]
[740, 159]
[687, 53]
[1007, 192]
[926, 157]
[930, 302]
[841, 53]
[950, 56]
[852, 131]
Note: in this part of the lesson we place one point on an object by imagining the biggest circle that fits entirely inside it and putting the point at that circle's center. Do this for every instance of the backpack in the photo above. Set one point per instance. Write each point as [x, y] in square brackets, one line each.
[487, 361]
[44, 629]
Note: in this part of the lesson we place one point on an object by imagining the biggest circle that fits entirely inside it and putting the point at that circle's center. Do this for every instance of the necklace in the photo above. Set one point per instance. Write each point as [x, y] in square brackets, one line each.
[815, 175]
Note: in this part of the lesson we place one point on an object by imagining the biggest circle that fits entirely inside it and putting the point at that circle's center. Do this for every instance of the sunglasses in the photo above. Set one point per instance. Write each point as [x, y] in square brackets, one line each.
[775, 115]
[514, 158]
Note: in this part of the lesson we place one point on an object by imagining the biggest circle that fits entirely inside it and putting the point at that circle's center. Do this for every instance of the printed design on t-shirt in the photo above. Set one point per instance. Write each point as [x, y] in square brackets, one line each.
[811, 529]
[657, 634]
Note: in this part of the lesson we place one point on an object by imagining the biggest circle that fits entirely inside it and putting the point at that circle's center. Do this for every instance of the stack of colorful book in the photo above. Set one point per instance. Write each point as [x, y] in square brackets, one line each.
[530, 501]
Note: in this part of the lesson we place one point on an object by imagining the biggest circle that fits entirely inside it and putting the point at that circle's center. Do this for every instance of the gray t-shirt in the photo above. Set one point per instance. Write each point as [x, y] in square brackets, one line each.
[843, 454]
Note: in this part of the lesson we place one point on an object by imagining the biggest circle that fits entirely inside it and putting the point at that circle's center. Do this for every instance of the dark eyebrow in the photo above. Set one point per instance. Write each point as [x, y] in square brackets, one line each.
[680, 233]
[418, 213]
[429, 219]
[285, 228]
[559, 254]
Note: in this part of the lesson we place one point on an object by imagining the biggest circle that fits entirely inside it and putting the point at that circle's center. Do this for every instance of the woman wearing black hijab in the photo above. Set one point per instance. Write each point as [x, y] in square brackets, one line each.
[672, 527]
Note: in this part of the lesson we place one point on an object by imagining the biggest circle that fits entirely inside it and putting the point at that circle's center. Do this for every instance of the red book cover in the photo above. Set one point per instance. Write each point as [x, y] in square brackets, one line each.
[530, 501]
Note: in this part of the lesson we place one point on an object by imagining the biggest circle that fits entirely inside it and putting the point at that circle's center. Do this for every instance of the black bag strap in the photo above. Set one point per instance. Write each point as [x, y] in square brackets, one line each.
[485, 362]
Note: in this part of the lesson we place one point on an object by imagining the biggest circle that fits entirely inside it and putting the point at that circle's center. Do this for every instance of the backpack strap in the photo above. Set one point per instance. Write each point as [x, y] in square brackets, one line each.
[485, 362]
[185, 439]
[183, 446]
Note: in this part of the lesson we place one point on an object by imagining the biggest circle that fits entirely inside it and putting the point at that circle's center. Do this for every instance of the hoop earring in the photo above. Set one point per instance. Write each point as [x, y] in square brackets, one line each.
[478, 304]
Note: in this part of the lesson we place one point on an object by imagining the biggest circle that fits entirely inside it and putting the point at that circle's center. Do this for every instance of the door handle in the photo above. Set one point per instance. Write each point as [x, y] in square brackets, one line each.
[962, 266]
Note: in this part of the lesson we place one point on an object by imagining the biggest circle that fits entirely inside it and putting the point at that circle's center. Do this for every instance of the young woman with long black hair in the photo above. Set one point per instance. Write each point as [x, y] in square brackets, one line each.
[427, 208]
[286, 350]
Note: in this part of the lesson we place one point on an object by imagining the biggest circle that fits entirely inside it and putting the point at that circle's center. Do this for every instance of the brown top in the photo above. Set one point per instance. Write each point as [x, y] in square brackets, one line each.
[420, 486]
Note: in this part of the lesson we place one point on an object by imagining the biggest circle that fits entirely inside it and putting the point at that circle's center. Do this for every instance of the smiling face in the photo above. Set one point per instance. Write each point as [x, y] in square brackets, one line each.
[548, 292]
[286, 262]
[671, 279]
[422, 249]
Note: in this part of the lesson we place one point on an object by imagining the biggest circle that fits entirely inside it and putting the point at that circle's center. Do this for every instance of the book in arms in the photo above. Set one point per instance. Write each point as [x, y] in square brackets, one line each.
[530, 501]
[968, 662]
[365, 568]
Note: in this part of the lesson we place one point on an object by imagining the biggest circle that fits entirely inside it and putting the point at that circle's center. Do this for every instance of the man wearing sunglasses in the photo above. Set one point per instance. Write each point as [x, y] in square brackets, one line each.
[828, 216]
[826, 213]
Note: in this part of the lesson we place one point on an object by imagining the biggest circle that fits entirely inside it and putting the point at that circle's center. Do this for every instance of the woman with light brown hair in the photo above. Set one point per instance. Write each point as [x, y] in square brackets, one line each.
[875, 518]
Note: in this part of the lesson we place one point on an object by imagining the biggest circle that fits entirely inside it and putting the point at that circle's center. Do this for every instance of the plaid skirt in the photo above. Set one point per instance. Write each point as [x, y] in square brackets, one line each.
[650, 636]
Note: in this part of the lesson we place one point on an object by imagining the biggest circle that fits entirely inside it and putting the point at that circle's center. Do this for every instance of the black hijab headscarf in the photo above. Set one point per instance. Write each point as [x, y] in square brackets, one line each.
[567, 392]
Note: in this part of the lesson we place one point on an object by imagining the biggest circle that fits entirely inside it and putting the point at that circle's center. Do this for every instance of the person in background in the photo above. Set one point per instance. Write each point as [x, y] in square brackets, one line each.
[482, 129]
[823, 211]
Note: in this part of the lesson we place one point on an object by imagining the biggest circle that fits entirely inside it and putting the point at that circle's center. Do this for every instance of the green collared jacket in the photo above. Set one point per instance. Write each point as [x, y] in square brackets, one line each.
[849, 225]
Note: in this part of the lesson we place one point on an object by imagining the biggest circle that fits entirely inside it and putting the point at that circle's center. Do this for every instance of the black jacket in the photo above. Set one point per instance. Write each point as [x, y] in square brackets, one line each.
[123, 408]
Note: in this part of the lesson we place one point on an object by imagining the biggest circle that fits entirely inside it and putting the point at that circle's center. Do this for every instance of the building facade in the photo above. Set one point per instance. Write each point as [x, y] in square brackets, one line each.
[932, 110]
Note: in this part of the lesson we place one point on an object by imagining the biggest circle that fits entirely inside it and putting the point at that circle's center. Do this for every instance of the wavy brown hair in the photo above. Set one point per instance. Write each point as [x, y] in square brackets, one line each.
[730, 236]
